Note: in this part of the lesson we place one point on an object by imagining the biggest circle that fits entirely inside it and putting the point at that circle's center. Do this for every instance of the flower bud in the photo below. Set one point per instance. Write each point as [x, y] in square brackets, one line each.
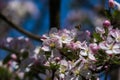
[88, 33]
[9, 63]
[13, 56]
[106, 23]
[57, 59]
[111, 3]
[94, 47]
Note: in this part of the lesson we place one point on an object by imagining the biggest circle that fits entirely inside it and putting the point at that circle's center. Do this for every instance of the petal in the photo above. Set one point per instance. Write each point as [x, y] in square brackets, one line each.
[103, 46]
[116, 46]
[37, 50]
[109, 51]
[100, 30]
[116, 51]
[83, 53]
[9, 39]
[91, 56]
[46, 48]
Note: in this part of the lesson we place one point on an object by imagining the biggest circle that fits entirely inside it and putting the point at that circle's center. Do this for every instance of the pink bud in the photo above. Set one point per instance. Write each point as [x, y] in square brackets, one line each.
[106, 23]
[111, 3]
[88, 33]
[9, 63]
[106, 67]
[57, 59]
[13, 56]
[94, 47]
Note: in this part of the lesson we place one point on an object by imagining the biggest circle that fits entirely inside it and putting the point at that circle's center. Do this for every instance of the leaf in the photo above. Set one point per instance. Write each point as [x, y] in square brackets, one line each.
[115, 60]
[97, 37]
[116, 19]
[108, 14]
[5, 74]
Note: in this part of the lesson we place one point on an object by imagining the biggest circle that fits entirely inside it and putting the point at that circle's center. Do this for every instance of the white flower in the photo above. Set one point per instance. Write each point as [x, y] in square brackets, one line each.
[74, 45]
[115, 33]
[86, 51]
[50, 43]
[37, 50]
[100, 30]
[45, 48]
[110, 48]
[9, 39]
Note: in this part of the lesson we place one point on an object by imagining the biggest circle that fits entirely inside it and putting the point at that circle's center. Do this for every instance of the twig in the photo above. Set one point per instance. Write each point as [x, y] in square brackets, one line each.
[18, 28]
[9, 50]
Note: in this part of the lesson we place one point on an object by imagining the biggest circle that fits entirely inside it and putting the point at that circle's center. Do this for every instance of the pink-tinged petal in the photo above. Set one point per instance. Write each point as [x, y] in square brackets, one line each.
[116, 46]
[84, 45]
[109, 52]
[9, 39]
[100, 30]
[110, 39]
[88, 33]
[44, 37]
[13, 56]
[45, 48]
[64, 63]
[116, 51]
[91, 57]
[111, 3]
[103, 46]
[94, 47]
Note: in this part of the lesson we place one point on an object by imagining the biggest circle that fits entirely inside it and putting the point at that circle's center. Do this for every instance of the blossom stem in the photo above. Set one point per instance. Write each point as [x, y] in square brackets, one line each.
[18, 28]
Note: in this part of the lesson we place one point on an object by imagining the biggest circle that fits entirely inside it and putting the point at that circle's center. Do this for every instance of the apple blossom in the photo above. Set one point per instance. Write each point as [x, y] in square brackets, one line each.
[94, 47]
[85, 51]
[110, 48]
[115, 33]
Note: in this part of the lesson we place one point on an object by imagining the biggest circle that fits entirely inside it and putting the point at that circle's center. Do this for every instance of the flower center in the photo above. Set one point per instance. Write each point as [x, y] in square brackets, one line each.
[52, 44]
[63, 38]
[118, 39]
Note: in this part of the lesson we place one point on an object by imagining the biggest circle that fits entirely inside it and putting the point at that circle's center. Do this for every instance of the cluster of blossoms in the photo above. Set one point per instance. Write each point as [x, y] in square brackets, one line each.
[65, 54]
[68, 58]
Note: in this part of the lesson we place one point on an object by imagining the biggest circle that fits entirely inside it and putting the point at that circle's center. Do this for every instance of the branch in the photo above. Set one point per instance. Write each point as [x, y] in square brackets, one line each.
[9, 50]
[18, 28]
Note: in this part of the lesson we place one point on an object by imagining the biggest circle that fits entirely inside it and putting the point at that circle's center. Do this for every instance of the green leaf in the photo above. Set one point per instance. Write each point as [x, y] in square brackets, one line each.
[5, 74]
[115, 60]
[108, 14]
[97, 37]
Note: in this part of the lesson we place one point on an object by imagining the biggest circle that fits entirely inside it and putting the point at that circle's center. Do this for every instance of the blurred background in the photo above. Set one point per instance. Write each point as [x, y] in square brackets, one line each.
[39, 16]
